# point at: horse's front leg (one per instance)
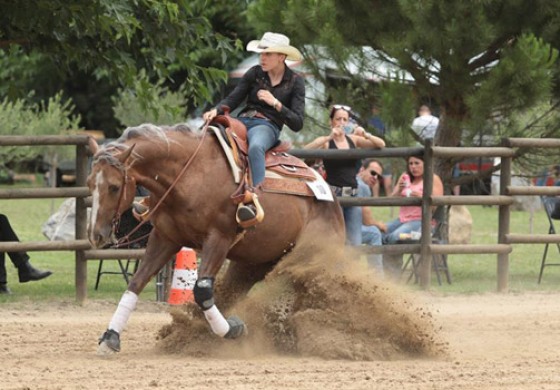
(158, 252)
(214, 252)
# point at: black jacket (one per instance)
(290, 92)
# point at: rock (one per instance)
(460, 225)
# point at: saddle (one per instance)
(276, 159)
(286, 174)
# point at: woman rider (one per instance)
(275, 97)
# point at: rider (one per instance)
(275, 97)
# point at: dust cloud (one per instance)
(319, 301)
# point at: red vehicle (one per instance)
(472, 166)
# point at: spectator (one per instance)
(370, 173)
(26, 271)
(410, 217)
(378, 125)
(341, 174)
(425, 124)
(376, 122)
(274, 97)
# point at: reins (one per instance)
(125, 239)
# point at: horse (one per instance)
(189, 179)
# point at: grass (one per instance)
(27, 216)
(470, 273)
(478, 273)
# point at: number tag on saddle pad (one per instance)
(320, 188)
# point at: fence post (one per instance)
(425, 241)
(81, 224)
(503, 223)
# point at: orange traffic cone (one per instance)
(184, 277)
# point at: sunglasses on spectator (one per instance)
(375, 174)
(341, 107)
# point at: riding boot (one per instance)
(141, 208)
(4, 289)
(246, 212)
(27, 273)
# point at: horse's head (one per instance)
(112, 191)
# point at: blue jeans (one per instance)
(262, 135)
(353, 224)
(396, 228)
(371, 235)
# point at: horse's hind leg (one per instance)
(158, 253)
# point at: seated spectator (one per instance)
(26, 271)
(369, 174)
(410, 184)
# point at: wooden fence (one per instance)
(84, 252)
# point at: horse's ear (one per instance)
(93, 145)
(123, 156)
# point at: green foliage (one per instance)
(116, 39)
(149, 103)
(473, 61)
(17, 70)
(522, 75)
(19, 118)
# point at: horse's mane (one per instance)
(147, 131)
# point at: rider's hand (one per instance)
(266, 96)
(209, 115)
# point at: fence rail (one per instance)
(84, 252)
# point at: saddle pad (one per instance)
(236, 172)
(286, 186)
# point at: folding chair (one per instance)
(125, 270)
(439, 261)
(549, 202)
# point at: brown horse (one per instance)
(197, 212)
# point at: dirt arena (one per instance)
(493, 341)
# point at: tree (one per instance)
(102, 45)
(475, 60)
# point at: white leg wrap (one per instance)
(217, 321)
(122, 314)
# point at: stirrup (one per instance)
(251, 214)
(141, 209)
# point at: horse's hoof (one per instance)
(237, 328)
(104, 350)
(109, 343)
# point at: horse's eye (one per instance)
(113, 189)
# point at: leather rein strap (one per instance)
(160, 201)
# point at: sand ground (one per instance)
(495, 341)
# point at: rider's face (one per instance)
(270, 61)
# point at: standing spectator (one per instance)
(425, 124)
(274, 96)
(381, 130)
(370, 173)
(376, 122)
(341, 174)
(26, 271)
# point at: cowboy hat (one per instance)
(275, 43)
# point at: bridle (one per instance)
(116, 218)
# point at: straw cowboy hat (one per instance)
(275, 43)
